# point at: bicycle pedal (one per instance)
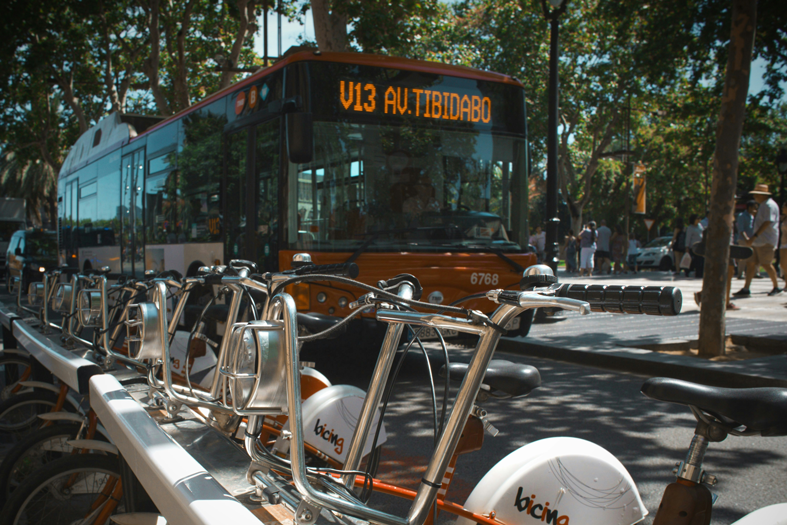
(489, 427)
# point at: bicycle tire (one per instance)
(19, 414)
(33, 452)
(43, 499)
(14, 366)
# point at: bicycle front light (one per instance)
(61, 300)
(35, 294)
(255, 368)
(89, 308)
(144, 336)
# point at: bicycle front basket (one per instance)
(144, 336)
(89, 308)
(61, 300)
(35, 294)
(255, 368)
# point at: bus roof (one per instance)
(363, 59)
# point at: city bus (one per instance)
(398, 165)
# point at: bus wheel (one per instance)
(525, 322)
(194, 268)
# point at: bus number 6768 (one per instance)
(484, 278)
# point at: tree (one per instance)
(725, 172)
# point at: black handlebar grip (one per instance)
(649, 300)
(344, 270)
(213, 278)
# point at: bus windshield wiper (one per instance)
(374, 235)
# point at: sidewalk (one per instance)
(616, 341)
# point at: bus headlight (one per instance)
(89, 308)
(35, 294)
(255, 368)
(61, 300)
(144, 336)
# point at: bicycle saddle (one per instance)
(502, 377)
(760, 409)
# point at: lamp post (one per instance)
(552, 248)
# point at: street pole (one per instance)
(552, 248)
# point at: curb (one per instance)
(651, 364)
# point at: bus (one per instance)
(401, 166)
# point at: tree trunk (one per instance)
(152, 63)
(246, 27)
(725, 175)
(330, 27)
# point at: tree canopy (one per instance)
(639, 82)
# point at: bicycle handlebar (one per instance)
(648, 300)
(343, 269)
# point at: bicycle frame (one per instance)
(489, 332)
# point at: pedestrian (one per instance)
(694, 235)
(763, 241)
(571, 252)
(633, 253)
(678, 243)
(783, 244)
(617, 249)
(587, 243)
(744, 223)
(602, 254)
(539, 240)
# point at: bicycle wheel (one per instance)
(19, 414)
(67, 491)
(15, 369)
(33, 452)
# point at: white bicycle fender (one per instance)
(94, 444)
(559, 480)
(770, 515)
(62, 416)
(329, 420)
(40, 384)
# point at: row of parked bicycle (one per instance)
(247, 382)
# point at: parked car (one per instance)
(657, 254)
(30, 253)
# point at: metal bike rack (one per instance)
(193, 473)
(69, 367)
(182, 489)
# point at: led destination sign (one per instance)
(366, 97)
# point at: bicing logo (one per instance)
(328, 435)
(528, 505)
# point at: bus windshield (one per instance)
(399, 188)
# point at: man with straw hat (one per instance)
(763, 240)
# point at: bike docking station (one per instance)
(237, 447)
(192, 473)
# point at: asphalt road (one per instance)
(602, 406)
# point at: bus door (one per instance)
(251, 209)
(132, 252)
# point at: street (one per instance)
(604, 407)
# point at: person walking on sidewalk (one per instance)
(618, 248)
(694, 235)
(744, 223)
(678, 243)
(633, 253)
(571, 252)
(783, 244)
(587, 244)
(763, 241)
(602, 254)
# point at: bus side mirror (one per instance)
(300, 137)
